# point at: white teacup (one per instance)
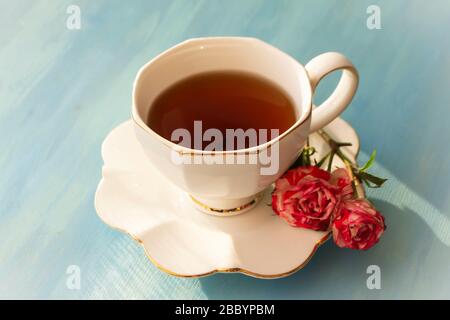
(231, 188)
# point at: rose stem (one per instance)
(334, 145)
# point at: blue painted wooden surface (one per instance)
(62, 91)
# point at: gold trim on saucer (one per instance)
(226, 270)
(224, 211)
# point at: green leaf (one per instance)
(370, 180)
(322, 161)
(369, 163)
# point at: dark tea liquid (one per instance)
(221, 100)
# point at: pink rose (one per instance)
(308, 196)
(342, 179)
(357, 225)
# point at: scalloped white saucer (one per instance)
(135, 198)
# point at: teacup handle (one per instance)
(336, 103)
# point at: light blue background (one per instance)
(62, 91)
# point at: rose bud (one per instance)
(357, 225)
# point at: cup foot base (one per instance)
(241, 206)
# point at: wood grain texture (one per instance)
(62, 91)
